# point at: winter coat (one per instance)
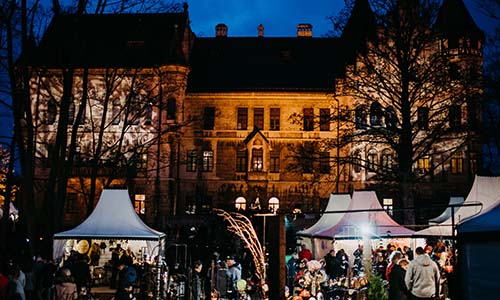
(233, 274)
(422, 277)
(66, 291)
(397, 286)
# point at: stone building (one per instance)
(188, 123)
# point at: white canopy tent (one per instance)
(363, 216)
(484, 194)
(446, 214)
(113, 218)
(337, 202)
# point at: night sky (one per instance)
(279, 17)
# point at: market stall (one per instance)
(482, 196)
(479, 243)
(363, 216)
(113, 222)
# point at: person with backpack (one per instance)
(127, 275)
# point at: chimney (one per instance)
(260, 30)
(304, 30)
(221, 30)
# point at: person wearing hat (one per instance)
(233, 274)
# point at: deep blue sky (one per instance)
(279, 17)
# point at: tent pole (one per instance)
(158, 271)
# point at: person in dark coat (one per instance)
(330, 262)
(397, 285)
(198, 282)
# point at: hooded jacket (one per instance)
(422, 277)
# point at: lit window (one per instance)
(456, 163)
(140, 204)
(424, 164)
(257, 160)
(191, 161)
(242, 118)
(141, 161)
(388, 205)
(274, 123)
(208, 161)
(258, 118)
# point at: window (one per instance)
(191, 161)
(456, 163)
(455, 117)
(424, 164)
(361, 117)
(115, 111)
(140, 204)
(208, 118)
(258, 118)
(391, 119)
(472, 120)
(376, 114)
(308, 119)
(386, 160)
(274, 122)
(208, 161)
(388, 205)
(307, 157)
(371, 160)
(324, 162)
(423, 118)
(275, 162)
(324, 119)
(241, 161)
(148, 113)
(454, 71)
(141, 160)
(257, 160)
(171, 108)
(356, 163)
(242, 118)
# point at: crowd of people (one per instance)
(426, 273)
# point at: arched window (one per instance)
(361, 117)
(376, 114)
(386, 160)
(371, 160)
(391, 119)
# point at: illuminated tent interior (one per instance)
(363, 216)
(113, 221)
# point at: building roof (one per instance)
(455, 21)
(114, 40)
(261, 63)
